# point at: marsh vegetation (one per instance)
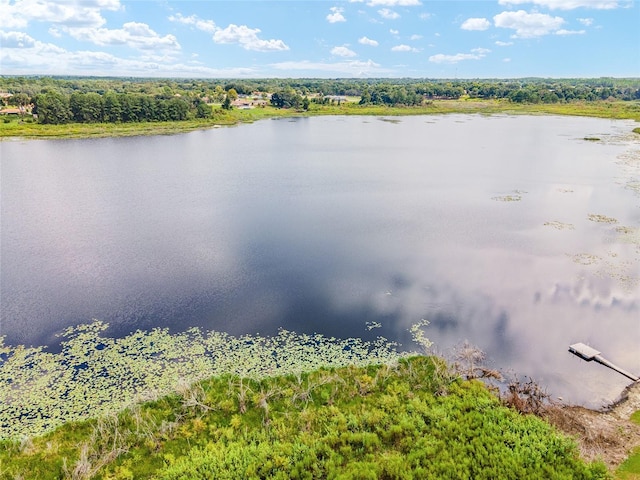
(410, 418)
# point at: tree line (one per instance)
(90, 99)
(56, 108)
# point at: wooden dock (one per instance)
(588, 353)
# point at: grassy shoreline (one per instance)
(618, 110)
(408, 419)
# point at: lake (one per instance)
(516, 233)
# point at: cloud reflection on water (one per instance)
(325, 224)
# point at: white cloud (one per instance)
(388, 14)
(587, 22)
(208, 26)
(16, 40)
(11, 18)
(70, 13)
(476, 54)
(503, 44)
(506, 60)
(475, 24)
(368, 41)
(570, 32)
(394, 3)
(350, 68)
(336, 15)
(132, 34)
(458, 57)
(404, 48)
(528, 25)
(416, 37)
(22, 55)
(425, 16)
(394, 32)
(567, 4)
(247, 38)
(342, 52)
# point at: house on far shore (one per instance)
(336, 98)
(247, 103)
(21, 110)
(11, 111)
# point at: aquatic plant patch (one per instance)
(594, 217)
(585, 258)
(559, 225)
(514, 196)
(95, 375)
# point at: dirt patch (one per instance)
(609, 434)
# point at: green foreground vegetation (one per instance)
(630, 469)
(408, 419)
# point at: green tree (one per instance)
(203, 110)
(52, 107)
(86, 107)
(177, 109)
(232, 94)
(19, 99)
(286, 98)
(226, 103)
(365, 97)
(218, 94)
(112, 108)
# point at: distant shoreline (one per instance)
(618, 110)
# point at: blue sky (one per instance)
(328, 39)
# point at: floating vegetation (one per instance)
(584, 258)
(418, 336)
(634, 186)
(630, 163)
(592, 139)
(601, 218)
(628, 234)
(559, 225)
(95, 375)
(507, 198)
(372, 325)
(565, 190)
(620, 271)
(514, 196)
(623, 272)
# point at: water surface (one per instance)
(337, 225)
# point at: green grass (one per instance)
(602, 109)
(630, 469)
(409, 419)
